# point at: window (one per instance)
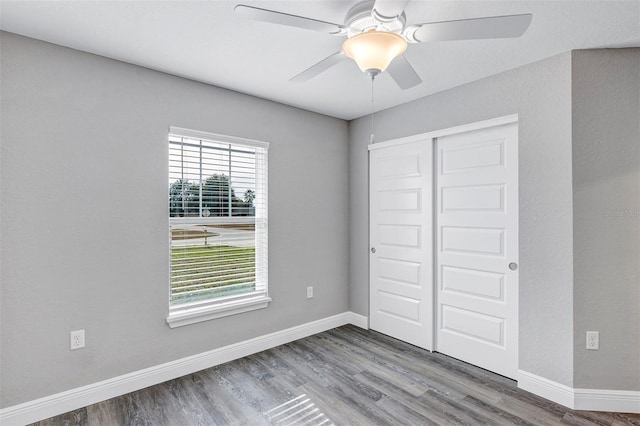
(218, 226)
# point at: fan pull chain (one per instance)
(372, 141)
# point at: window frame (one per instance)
(217, 307)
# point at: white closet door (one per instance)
(477, 248)
(401, 242)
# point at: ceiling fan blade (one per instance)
(470, 29)
(319, 67)
(388, 10)
(403, 73)
(280, 18)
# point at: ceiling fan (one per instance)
(377, 35)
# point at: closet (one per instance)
(444, 242)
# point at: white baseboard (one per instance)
(580, 399)
(358, 320)
(607, 400)
(548, 389)
(73, 399)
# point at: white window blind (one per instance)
(218, 221)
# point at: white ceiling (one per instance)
(204, 41)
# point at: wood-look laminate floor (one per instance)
(345, 376)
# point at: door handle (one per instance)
(513, 266)
(373, 250)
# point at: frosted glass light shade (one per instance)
(374, 50)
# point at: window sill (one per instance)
(185, 316)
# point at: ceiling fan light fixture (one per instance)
(374, 50)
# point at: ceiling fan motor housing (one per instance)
(360, 19)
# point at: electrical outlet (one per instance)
(310, 292)
(77, 340)
(593, 340)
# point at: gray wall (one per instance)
(579, 120)
(541, 94)
(84, 215)
(606, 231)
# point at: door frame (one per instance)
(494, 122)
(433, 137)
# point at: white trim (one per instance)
(197, 134)
(580, 399)
(358, 320)
(179, 315)
(548, 389)
(73, 399)
(607, 400)
(500, 121)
